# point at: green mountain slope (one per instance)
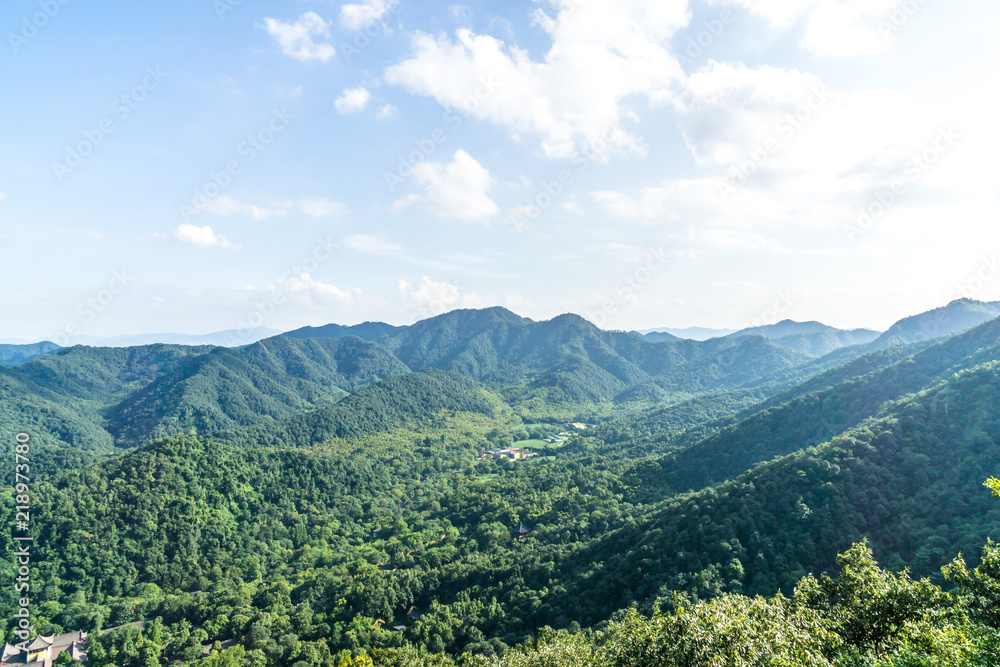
(98, 398)
(13, 355)
(909, 481)
(271, 379)
(378, 408)
(807, 419)
(295, 532)
(498, 347)
(813, 338)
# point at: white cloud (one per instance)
(603, 51)
(851, 28)
(226, 205)
(430, 298)
(202, 237)
(734, 240)
(95, 235)
(780, 13)
(305, 284)
(786, 131)
(2, 196)
(296, 39)
(371, 245)
(352, 100)
(455, 191)
(805, 190)
(358, 16)
(727, 110)
(834, 28)
(386, 111)
(322, 208)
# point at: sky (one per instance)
(206, 165)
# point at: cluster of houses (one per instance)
(516, 454)
(560, 438)
(43, 651)
(512, 453)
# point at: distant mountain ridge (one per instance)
(662, 337)
(12, 355)
(96, 399)
(958, 316)
(495, 345)
(689, 333)
(229, 338)
(813, 338)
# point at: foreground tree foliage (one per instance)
(863, 617)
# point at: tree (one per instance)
(980, 587)
(871, 609)
(730, 631)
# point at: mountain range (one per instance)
(284, 496)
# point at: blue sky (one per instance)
(200, 165)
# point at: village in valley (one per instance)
(524, 449)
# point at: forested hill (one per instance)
(380, 503)
(414, 398)
(496, 346)
(329, 501)
(225, 389)
(803, 420)
(13, 355)
(96, 399)
(813, 338)
(908, 481)
(93, 400)
(959, 315)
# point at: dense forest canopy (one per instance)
(323, 498)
